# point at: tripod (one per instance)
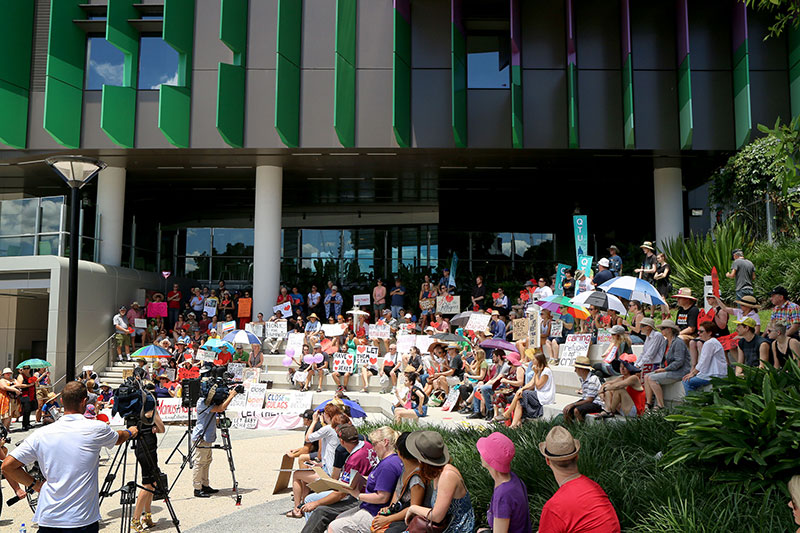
(188, 436)
(127, 489)
(224, 425)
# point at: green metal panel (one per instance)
(344, 97)
(743, 123)
(627, 103)
(794, 70)
(287, 74)
(231, 78)
(572, 105)
(16, 37)
(174, 104)
(517, 124)
(458, 71)
(66, 61)
(401, 80)
(118, 111)
(685, 104)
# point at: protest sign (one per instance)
(140, 323)
(405, 343)
(239, 401)
(575, 346)
(603, 336)
(477, 322)
(343, 362)
(295, 342)
(448, 305)
(556, 328)
(333, 330)
(585, 266)
(170, 373)
(245, 307)
(427, 304)
(367, 356)
(284, 308)
(251, 375)
(206, 356)
(275, 330)
(227, 327)
(156, 309)
(256, 395)
(210, 307)
(535, 326)
(266, 420)
(423, 342)
(171, 410)
(581, 235)
(237, 369)
(379, 331)
(522, 328)
(291, 402)
(360, 299)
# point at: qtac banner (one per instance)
(585, 266)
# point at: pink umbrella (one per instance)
(499, 344)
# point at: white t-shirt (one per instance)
(541, 293)
(68, 452)
(547, 394)
(389, 358)
(712, 361)
(120, 321)
(328, 441)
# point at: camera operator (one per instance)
(146, 448)
(205, 429)
(19, 491)
(68, 453)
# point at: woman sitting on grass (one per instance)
(625, 394)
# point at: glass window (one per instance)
(18, 216)
(195, 267)
(104, 64)
(488, 58)
(158, 63)
(322, 243)
(16, 246)
(491, 246)
(289, 243)
(348, 244)
(232, 269)
(51, 213)
(533, 246)
(48, 245)
(233, 241)
(198, 241)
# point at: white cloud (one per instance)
(109, 72)
(167, 80)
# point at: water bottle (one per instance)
(22, 528)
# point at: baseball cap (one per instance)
(348, 433)
(748, 321)
(780, 290)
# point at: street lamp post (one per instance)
(76, 171)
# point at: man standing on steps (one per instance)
(122, 335)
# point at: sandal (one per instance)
(605, 414)
(294, 513)
(319, 389)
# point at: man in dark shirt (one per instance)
(686, 319)
(397, 297)
(603, 272)
(649, 262)
(479, 293)
(753, 349)
(615, 261)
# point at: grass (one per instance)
(623, 459)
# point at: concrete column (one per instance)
(111, 207)
(267, 238)
(668, 197)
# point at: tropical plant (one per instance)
(777, 264)
(692, 258)
(744, 430)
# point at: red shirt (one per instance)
(283, 299)
(579, 506)
(174, 304)
(30, 392)
(223, 359)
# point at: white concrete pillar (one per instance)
(111, 207)
(668, 197)
(267, 238)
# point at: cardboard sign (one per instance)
(292, 402)
(127, 373)
(171, 410)
(367, 356)
(237, 369)
(266, 420)
(556, 328)
(256, 395)
(522, 327)
(360, 299)
(245, 307)
(477, 322)
(255, 329)
(210, 307)
(295, 342)
(343, 362)
(333, 330)
(379, 331)
(448, 305)
(227, 327)
(207, 356)
(405, 342)
(239, 401)
(423, 342)
(452, 398)
(603, 336)
(140, 323)
(156, 309)
(535, 326)
(427, 304)
(349, 481)
(251, 375)
(275, 330)
(576, 345)
(284, 308)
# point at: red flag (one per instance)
(715, 281)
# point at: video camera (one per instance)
(216, 385)
(132, 400)
(4, 434)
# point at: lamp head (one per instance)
(75, 170)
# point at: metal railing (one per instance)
(106, 343)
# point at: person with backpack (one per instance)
(416, 401)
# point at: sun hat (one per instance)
(497, 450)
(613, 247)
(409, 369)
(684, 292)
(749, 300)
(647, 321)
(648, 245)
(780, 290)
(513, 358)
(583, 362)
(669, 324)
(604, 262)
(629, 357)
(313, 315)
(748, 321)
(630, 366)
(453, 346)
(7, 370)
(559, 445)
(495, 312)
(52, 396)
(617, 330)
(163, 376)
(135, 304)
(428, 447)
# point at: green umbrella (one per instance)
(34, 363)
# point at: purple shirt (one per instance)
(510, 500)
(383, 479)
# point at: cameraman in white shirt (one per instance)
(68, 453)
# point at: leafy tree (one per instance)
(787, 14)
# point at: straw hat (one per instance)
(648, 245)
(684, 292)
(748, 300)
(559, 445)
(583, 362)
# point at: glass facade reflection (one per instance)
(32, 226)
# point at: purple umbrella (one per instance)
(499, 344)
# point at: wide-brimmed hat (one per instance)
(513, 358)
(409, 369)
(617, 330)
(613, 247)
(648, 245)
(604, 262)
(684, 292)
(647, 321)
(497, 450)
(669, 324)
(583, 362)
(135, 304)
(633, 369)
(433, 346)
(313, 315)
(52, 396)
(749, 300)
(559, 445)
(428, 447)
(7, 370)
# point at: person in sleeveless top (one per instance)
(624, 395)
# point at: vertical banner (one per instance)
(581, 236)
(560, 269)
(585, 266)
(453, 264)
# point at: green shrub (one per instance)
(744, 430)
(777, 264)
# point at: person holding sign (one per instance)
(425, 294)
(567, 328)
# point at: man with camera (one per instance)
(205, 431)
(68, 495)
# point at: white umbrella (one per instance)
(601, 300)
(241, 336)
(632, 288)
(357, 312)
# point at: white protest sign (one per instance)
(293, 402)
(343, 362)
(576, 345)
(251, 375)
(379, 331)
(295, 342)
(333, 330)
(448, 305)
(237, 369)
(170, 410)
(522, 328)
(367, 356)
(284, 308)
(140, 323)
(477, 322)
(603, 336)
(239, 401)
(405, 343)
(263, 419)
(556, 327)
(210, 307)
(423, 342)
(207, 356)
(256, 395)
(275, 330)
(360, 299)
(535, 326)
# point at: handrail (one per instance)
(79, 363)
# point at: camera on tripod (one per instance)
(132, 401)
(216, 385)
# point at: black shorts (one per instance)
(388, 370)
(342, 374)
(147, 456)
(588, 408)
(374, 371)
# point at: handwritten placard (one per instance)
(426, 304)
(344, 362)
(285, 309)
(156, 309)
(522, 327)
(477, 322)
(367, 356)
(535, 326)
(205, 355)
(256, 395)
(245, 307)
(251, 375)
(239, 401)
(140, 323)
(295, 342)
(237, 369)
(405, 342)
(603, 336)
(379, 331)
(556, 328)
(448, 305)
(275, 330)
(423, 342)
(170, 373)
(576, 345)
(360, 299)
(210, 307)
